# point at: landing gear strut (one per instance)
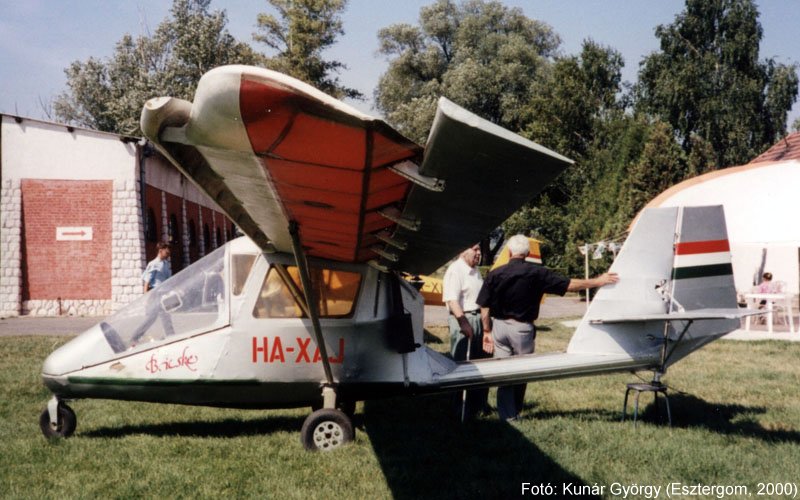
(327, 428)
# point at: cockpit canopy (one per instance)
(193, 300)
(198, 298)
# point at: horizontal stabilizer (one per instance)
(697, 314)
(532, 367)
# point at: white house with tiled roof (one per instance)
(761, 208)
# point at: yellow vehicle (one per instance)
(535, 255)
(431, 289)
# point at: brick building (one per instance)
(80, 214)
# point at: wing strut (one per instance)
(312, 306)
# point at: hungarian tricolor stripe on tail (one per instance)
(702, 259)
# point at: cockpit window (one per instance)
(241, 265)
(276, 299)
(191, 301)
(337, 292)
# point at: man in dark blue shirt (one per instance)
(509, 301)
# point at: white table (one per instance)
(785, 299)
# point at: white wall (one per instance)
(760, 201)
(781, 261)
(762, 211)
(39, 150)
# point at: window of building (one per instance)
(207, 237)
(173, 233)
(219, 240)
(151, 233)
(192, 234)
(337, 292)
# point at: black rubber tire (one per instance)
(326, 430)
(67, 422)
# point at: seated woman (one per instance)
(766, 285)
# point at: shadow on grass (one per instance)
(688, 412)
(426, 453)
(430, 338)
(691, 412)
(222, 428)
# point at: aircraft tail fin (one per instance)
(676, 280)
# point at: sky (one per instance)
(40, 38)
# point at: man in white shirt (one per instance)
(462, 283)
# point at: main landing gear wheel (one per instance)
(326, 429)
(65, 425)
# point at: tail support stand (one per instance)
(656, 387)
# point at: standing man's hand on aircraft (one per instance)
(607, 279)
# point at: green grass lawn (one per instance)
(737, 422)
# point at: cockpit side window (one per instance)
(275, 299)
(241, 265)
(336, 290)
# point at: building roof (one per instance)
(787, 148)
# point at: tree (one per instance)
(482, 55)
(577, 94)
(108, 95)
(305, 29)
(707, 81)
(661, 165)
(569, 107)
(575, 109)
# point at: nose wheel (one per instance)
(326, 429)
(61, 424)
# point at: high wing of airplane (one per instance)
(309, 309)
(271, 150)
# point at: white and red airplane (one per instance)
(309, 309)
